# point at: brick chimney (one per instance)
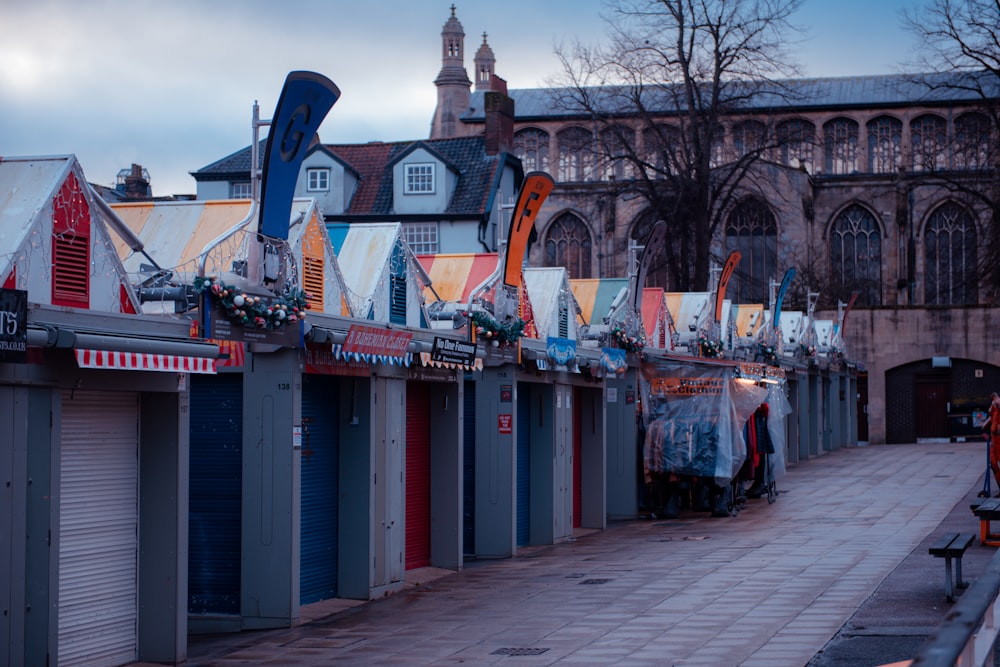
(499, 110)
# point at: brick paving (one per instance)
(767, 588)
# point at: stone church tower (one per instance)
(452, 82)
(485, 64)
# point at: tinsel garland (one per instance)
(252, 311)
(766, 352)
(631, 344)
(500, 334)
(711, 349)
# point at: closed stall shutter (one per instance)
(577, 455)
(418, 476)
(469, 470)
(98, 528)
(216, 494)
(320, 468)
(523, 466)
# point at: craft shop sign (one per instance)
(13, 326)
(453, 351)
(681, 387)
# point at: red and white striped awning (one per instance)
(143, 361)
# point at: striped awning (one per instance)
(143, 361)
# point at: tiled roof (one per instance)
(794, 94)
(373, 164)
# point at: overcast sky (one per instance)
(170, 84)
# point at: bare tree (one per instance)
(658, 91)
(960, 56)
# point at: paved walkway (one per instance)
(767, 588)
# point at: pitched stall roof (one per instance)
(175, 234)
(595, 296)
(36, 192)
(365, 254)
(454, 276)
(654, 316)
(748, 318)
(546, 285)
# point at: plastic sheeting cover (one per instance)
(694, 416)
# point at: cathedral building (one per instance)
(858, 196)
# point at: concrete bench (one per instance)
(951, 547)
(986, 511)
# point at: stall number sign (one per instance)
(13, 326)
(505, 423)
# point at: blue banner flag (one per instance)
(305, 100)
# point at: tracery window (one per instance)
(751, 229)
(950, 276)
(929, 142)
(856, 255)
(661, 148)
(718, 156)
(576, 154)
(749, 137)
(796, 139)
(617, 143)
(840, 146)
(972, 141)
(885, 142)
(532, 147)
(568, 243)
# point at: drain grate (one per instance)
(519, 651)
(594, 581)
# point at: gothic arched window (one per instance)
(532, 146)
(568, 244)
(856, 255)
(972, 141)
(840, 146)
(751, 230)
(661, 146)
(885, 145)
(749, 137)
(929, 142)
(795, 139)
(950, 276)
(617, 144)
(576, 154)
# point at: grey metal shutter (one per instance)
(98, 529)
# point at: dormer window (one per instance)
(420, 179)
(317, 180)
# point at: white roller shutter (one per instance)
(98, 529)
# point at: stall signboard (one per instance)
(372, 343)
(13, 326)
(452, 351)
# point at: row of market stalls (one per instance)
(188, 452)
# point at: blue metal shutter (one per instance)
(216, 493)
(469, 470)
(418, 476)
(320, 468)
(523, 465)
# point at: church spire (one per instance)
(452, 81)
(485, 64)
